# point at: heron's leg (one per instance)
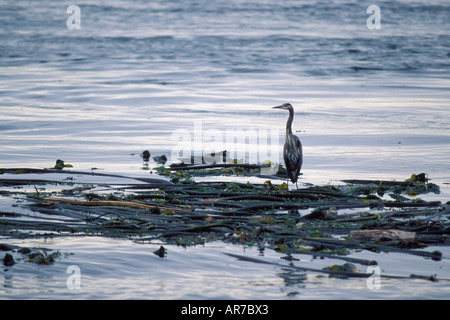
(296, 184)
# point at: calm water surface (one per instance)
(118, 269)
(369, 103)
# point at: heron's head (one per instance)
(284, 106)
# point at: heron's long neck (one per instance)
(289, 123)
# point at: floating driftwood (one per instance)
(108, 203)
(377, 235)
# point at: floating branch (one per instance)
(377, 235)
(110, 203)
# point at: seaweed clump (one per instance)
(318, 220)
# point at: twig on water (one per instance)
(111, 203)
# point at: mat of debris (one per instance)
(173, 207)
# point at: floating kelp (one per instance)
(326, 221)
(415, 185)
(41, 256)
(8, 260)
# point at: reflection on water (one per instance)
(118, 269)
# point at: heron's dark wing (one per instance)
(293, 157)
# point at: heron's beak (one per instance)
(277, 107)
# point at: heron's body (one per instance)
(292, 151)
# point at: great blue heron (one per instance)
(292, 151)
